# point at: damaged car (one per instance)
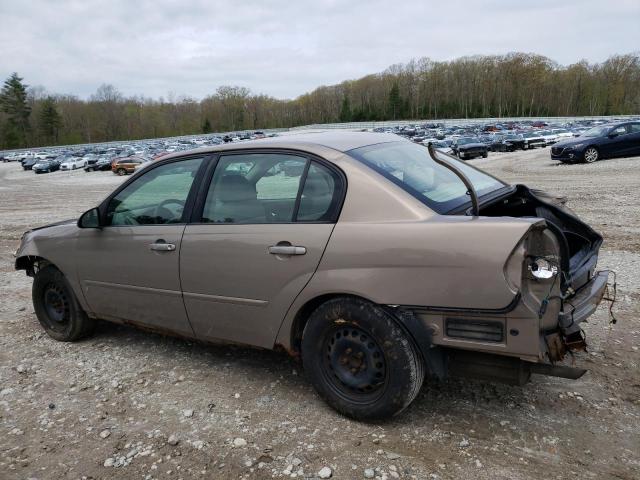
(380, 263)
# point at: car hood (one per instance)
(569, 142)
(55, 224)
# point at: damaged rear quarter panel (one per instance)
(444, 261)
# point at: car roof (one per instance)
(341, 141)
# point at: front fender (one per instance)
(53, 244)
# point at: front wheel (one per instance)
(591, 155)
(360, 360)
(57, 308)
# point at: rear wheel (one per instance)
(121, 171)
(57, 308)
(360, 360)
(591, 155)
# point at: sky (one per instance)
(286, 48)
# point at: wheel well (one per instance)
(30, 263)
(301, 318)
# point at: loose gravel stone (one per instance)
(239, 442)
(325, 472)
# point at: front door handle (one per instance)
(162, 246)
(287, 250)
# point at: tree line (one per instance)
(516, 84)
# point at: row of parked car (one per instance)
(121, 159)
(465, 141)
(472, 141)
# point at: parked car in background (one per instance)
(46, 166)
(562, 133)
(549, 137)
(612, 140)
(73, 163)
(91, 158)
(29, 162)
(469, 147)
(102, 164)
(128, 165)
(348, 264)
(533, 140)
(513, 142)
(11, 157)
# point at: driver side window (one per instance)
(620, 130)
(156, 197)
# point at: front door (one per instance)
(265, 223)
(129, 269)
(615, 145)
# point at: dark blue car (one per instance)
(611, 140)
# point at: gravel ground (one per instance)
(127, 404)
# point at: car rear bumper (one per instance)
(583, 303)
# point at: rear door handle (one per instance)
(287, 250)
(162, 246)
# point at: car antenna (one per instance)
(475, 208)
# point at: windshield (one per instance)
(410, 166)
(467, 140)
(596, 132)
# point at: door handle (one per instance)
(287, 250)
(162, 246)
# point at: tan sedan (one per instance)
(376, 260)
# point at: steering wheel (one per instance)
(161, 207)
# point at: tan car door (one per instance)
(129, 269)
(265, 222)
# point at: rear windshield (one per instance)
(410, 166)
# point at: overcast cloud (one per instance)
(286, 48)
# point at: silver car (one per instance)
(376, 260)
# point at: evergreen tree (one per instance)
(345, 113)
(395, 101)
(50, 120)
(13, 102)
(206, 126)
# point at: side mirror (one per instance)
(613, 134)
(90, 219)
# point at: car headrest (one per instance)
(235, 188)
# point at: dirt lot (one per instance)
(115, 405)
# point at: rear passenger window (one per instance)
(261, 188)
(634, 128)
(319, 199)
(254, 189)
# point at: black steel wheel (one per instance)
(360, 359)
(354, 365)
(57, 308)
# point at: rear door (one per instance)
(262, 225)
(129, 269)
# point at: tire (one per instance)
(485, 155)
(360, 360)
(57, 307)
(591, 154)
(121, 171)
